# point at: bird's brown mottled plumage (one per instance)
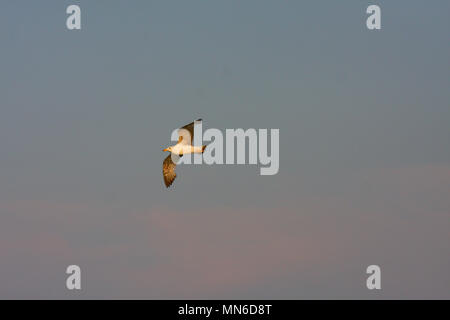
(169, 171)
(185, 137)
(190, 131)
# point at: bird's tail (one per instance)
(203, 148)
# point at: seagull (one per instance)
(183, 146)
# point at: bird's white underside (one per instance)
(181, 148)
(184, 146)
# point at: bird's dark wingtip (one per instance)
(198, 120)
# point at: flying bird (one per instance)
(183, 146)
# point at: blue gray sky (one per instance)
(364, 149)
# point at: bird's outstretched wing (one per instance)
(169, 171)
(187, 137)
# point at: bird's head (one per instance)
(168, 149)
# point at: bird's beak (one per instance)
(165, 149)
